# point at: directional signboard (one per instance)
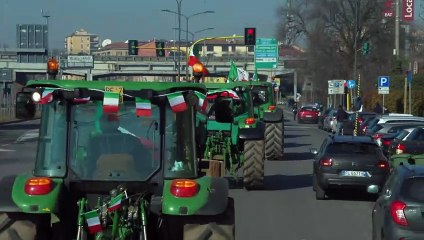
(336, 86)
(80, 61)
(383, 84)
(266, 53)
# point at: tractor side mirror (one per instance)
(25, 106)
(223, 110)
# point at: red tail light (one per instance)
(400, 148)
(184, 188)
(326, 162)
(377, 136)
(397, 211)
(38, 186)
(387, 142)
(360, 120)
(249, 121)
(382, 164)
(271, 107)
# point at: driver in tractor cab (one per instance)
(114, 153)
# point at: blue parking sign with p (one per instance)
(383, 81)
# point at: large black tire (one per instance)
(319, 192)
(274, 141)
(253, 169)
(21, 226)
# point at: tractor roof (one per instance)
(100, 85)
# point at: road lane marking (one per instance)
(6, 150)
(4, 145)
(29, 135)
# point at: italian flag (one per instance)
(111, 102)
(143, 107)
(46, 96)
(93, 221)
(115, 203)
(201, 102)
(177, 102)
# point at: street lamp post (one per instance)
(194, 33)
(187, 31)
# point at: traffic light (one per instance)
(132, 47)
(160, 49)
(346, 89)
(249, 36)
(52, 68)
(365, 48)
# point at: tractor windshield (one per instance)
(117, 146)
(259, 95)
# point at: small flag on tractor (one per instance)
(93, 221)
(233, 74)
(115, 203)
(201, 102)
(177, 102)
(111, 102)
(46, 96)
(143, 107)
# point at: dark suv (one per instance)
(348, 161)
(398, 212)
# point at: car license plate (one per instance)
(308, 116)
(355, 174)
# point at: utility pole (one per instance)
(397, 27)
(355, 46)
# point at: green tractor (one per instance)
(266, 110)
(115, 160)
(233, 139)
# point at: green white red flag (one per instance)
(46, 96)
(177, 102)
(111, 102)
(143, 107)
(93, 221)
(201, 98)
(115, 203)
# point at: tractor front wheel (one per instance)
(253, 169)
(21, 226)
(274, 141)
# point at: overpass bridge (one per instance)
(147, 68)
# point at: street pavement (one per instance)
(286, 209)
(18, 147)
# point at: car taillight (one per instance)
(184, 188)
(360, 120)
(382, 164)
(326, 162)
(377, 136)
(38, 186)
(400, 148)
(398, 214)
(271, 107)
(387, 142)
(249, 121)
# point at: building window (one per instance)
(225, 48)
(233, 48)
(209, 48)
(250, 48)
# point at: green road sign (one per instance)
(266, 53)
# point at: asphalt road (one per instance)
(287, 208)
(18, 147)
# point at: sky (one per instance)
(121, 20)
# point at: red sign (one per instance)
(388, 9)
(408, 10)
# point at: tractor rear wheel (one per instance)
(21, 226)
(274, 141)
(253, 169)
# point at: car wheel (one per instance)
(319, 192)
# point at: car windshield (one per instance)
(351, 148)
(413, 189)
(402, 135)
(117, 146)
